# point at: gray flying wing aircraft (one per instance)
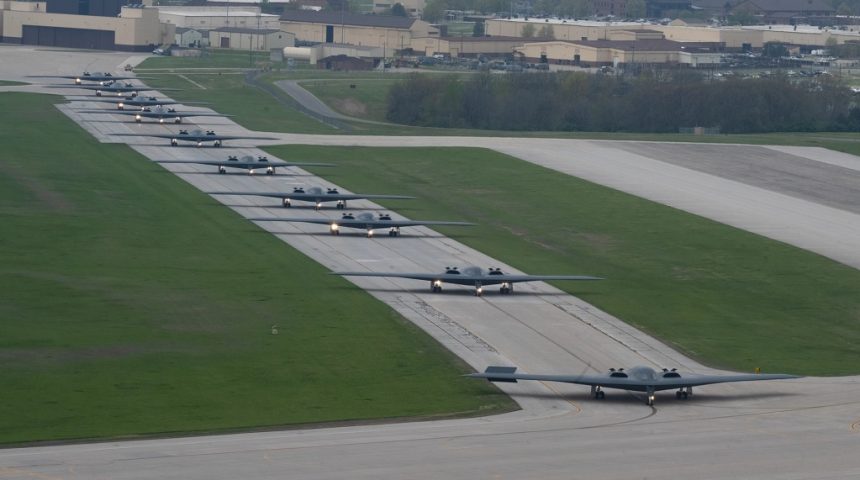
(139, 102)
(248, 163)
(160, 114)
(364, 220)
(114, 88)
(637, 379)
(87, 77)
(471, 276)
(196, 136)
(316, 195)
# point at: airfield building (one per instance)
(389, 32)
(95, 24)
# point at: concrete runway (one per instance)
(807, 428)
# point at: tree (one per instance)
(636, 8)
(774, 50)
(528, 31)
(434, 10)
(546, 31)
(398, 10)
(742, 18)
(478, 29)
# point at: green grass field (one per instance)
(361, 98)
(211, 58)
(132, 304)
(725, 296)
(10, 83)
(258, 109)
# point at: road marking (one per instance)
(191, 81)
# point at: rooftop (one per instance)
(339, 18)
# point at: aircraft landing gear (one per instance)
(270, 171)
(597, 393)
(217, 143)
(341, 204)
(178, 120)
(287, 203)
(435, 286)
(684, 393)
(507, 288)
(222, 170)
(395, 231)
(173, 142)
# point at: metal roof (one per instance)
(352, 19)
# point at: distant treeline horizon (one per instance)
(660, 102)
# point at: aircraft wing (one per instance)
(254, 165)
(508, 374)
(320, 221)
(191, 138)
(404, 223)
(413, 276)
(155, 114)
(308, 196)
(538, 278)
(693, 380)
(108, 88)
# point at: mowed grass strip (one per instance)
(727, 297)
(228, 93)
(259, 110)
(132, 304)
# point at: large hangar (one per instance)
(93, 24)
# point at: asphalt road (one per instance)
(806, 428)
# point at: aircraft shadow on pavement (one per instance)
(666, 397)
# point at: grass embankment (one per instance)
(722, 295)
(10, 83)
(132, 304)
(259, 110)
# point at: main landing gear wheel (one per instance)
(222, 170)
(287, 203)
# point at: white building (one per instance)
(210, 18)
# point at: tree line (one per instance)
(655, 102)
